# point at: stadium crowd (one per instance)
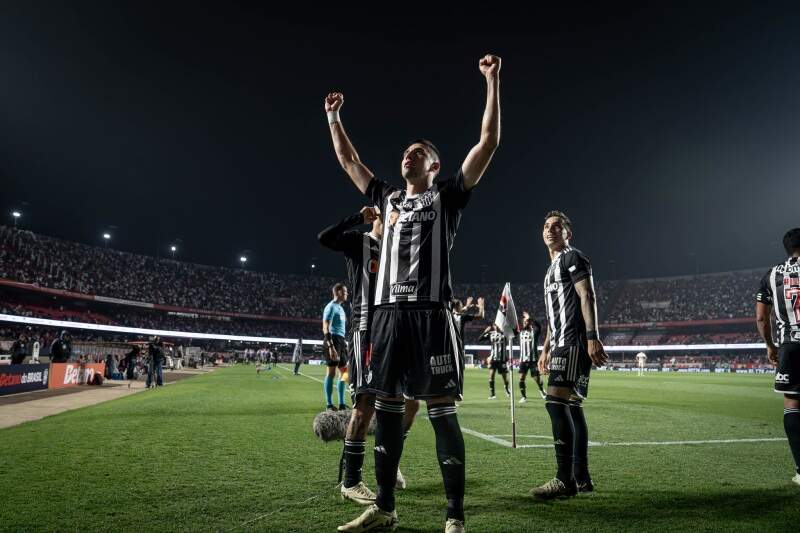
(49, 262)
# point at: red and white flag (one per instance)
(506, 318)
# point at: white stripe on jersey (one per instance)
(387, 210)
(773, 280)
(562, 313)
(413, 272)
(436, 245)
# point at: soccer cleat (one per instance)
(796, 479)
(492, 397)
(373, 519)
(400, 483)
(586, 486)
(331, 408)
(358, 493)
(555, 488)
(523, 399)
(542, 394)
(453, 526)
(508, 394)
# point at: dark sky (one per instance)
(668, 134)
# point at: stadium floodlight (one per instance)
(173, 249)
(243, 259)
(106, 238)
(16, 215)
(313, 266)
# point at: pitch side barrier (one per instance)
(213, 336)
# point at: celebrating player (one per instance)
(498, 358)
(529, 354)
(780, 290)
(571, 346)
(361, 251)
(415, 349)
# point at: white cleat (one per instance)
(492, 397)
(543, 395)
(523, 400)
(796, 479)
(400, 483)
(359, 493)
(453, 526)
(373, 519)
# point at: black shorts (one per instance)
(358, 356)
(570, 367)
(341, 349)
(500, 366)
(787, 375)
(414, 352)
(528, 366)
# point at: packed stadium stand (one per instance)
(51, 278)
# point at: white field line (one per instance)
(502, 442)
(301, 374)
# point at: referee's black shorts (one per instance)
(414, 352)
(341, 350)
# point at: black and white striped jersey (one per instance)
(418, 234)
(564, 316)
(780, 288)
(528, 342)
(499, 351)
(361, 252)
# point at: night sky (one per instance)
(668, 134)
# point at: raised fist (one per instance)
(489, 65)
(333, 102)
(370, 214)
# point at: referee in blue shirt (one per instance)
(335, 347)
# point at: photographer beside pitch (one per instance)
(415, 350)
(780, 291)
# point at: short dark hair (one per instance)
(429, 145)
(338, 287)
(791, 241)
(564, 218)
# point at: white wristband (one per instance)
(333, 116)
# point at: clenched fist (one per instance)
(490, 66)
(333, 102)
(370, 214)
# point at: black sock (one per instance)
(580, 459)
(450, 451)
(522, 389)
(491, 387)
(388, 449)
(353, 461)
(791, 423)
(563, 436)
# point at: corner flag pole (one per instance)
(511, 388)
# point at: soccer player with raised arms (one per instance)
(415, 351)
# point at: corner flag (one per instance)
(506, 318)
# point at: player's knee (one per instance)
(412, 406)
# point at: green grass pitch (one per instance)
(234, 451)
